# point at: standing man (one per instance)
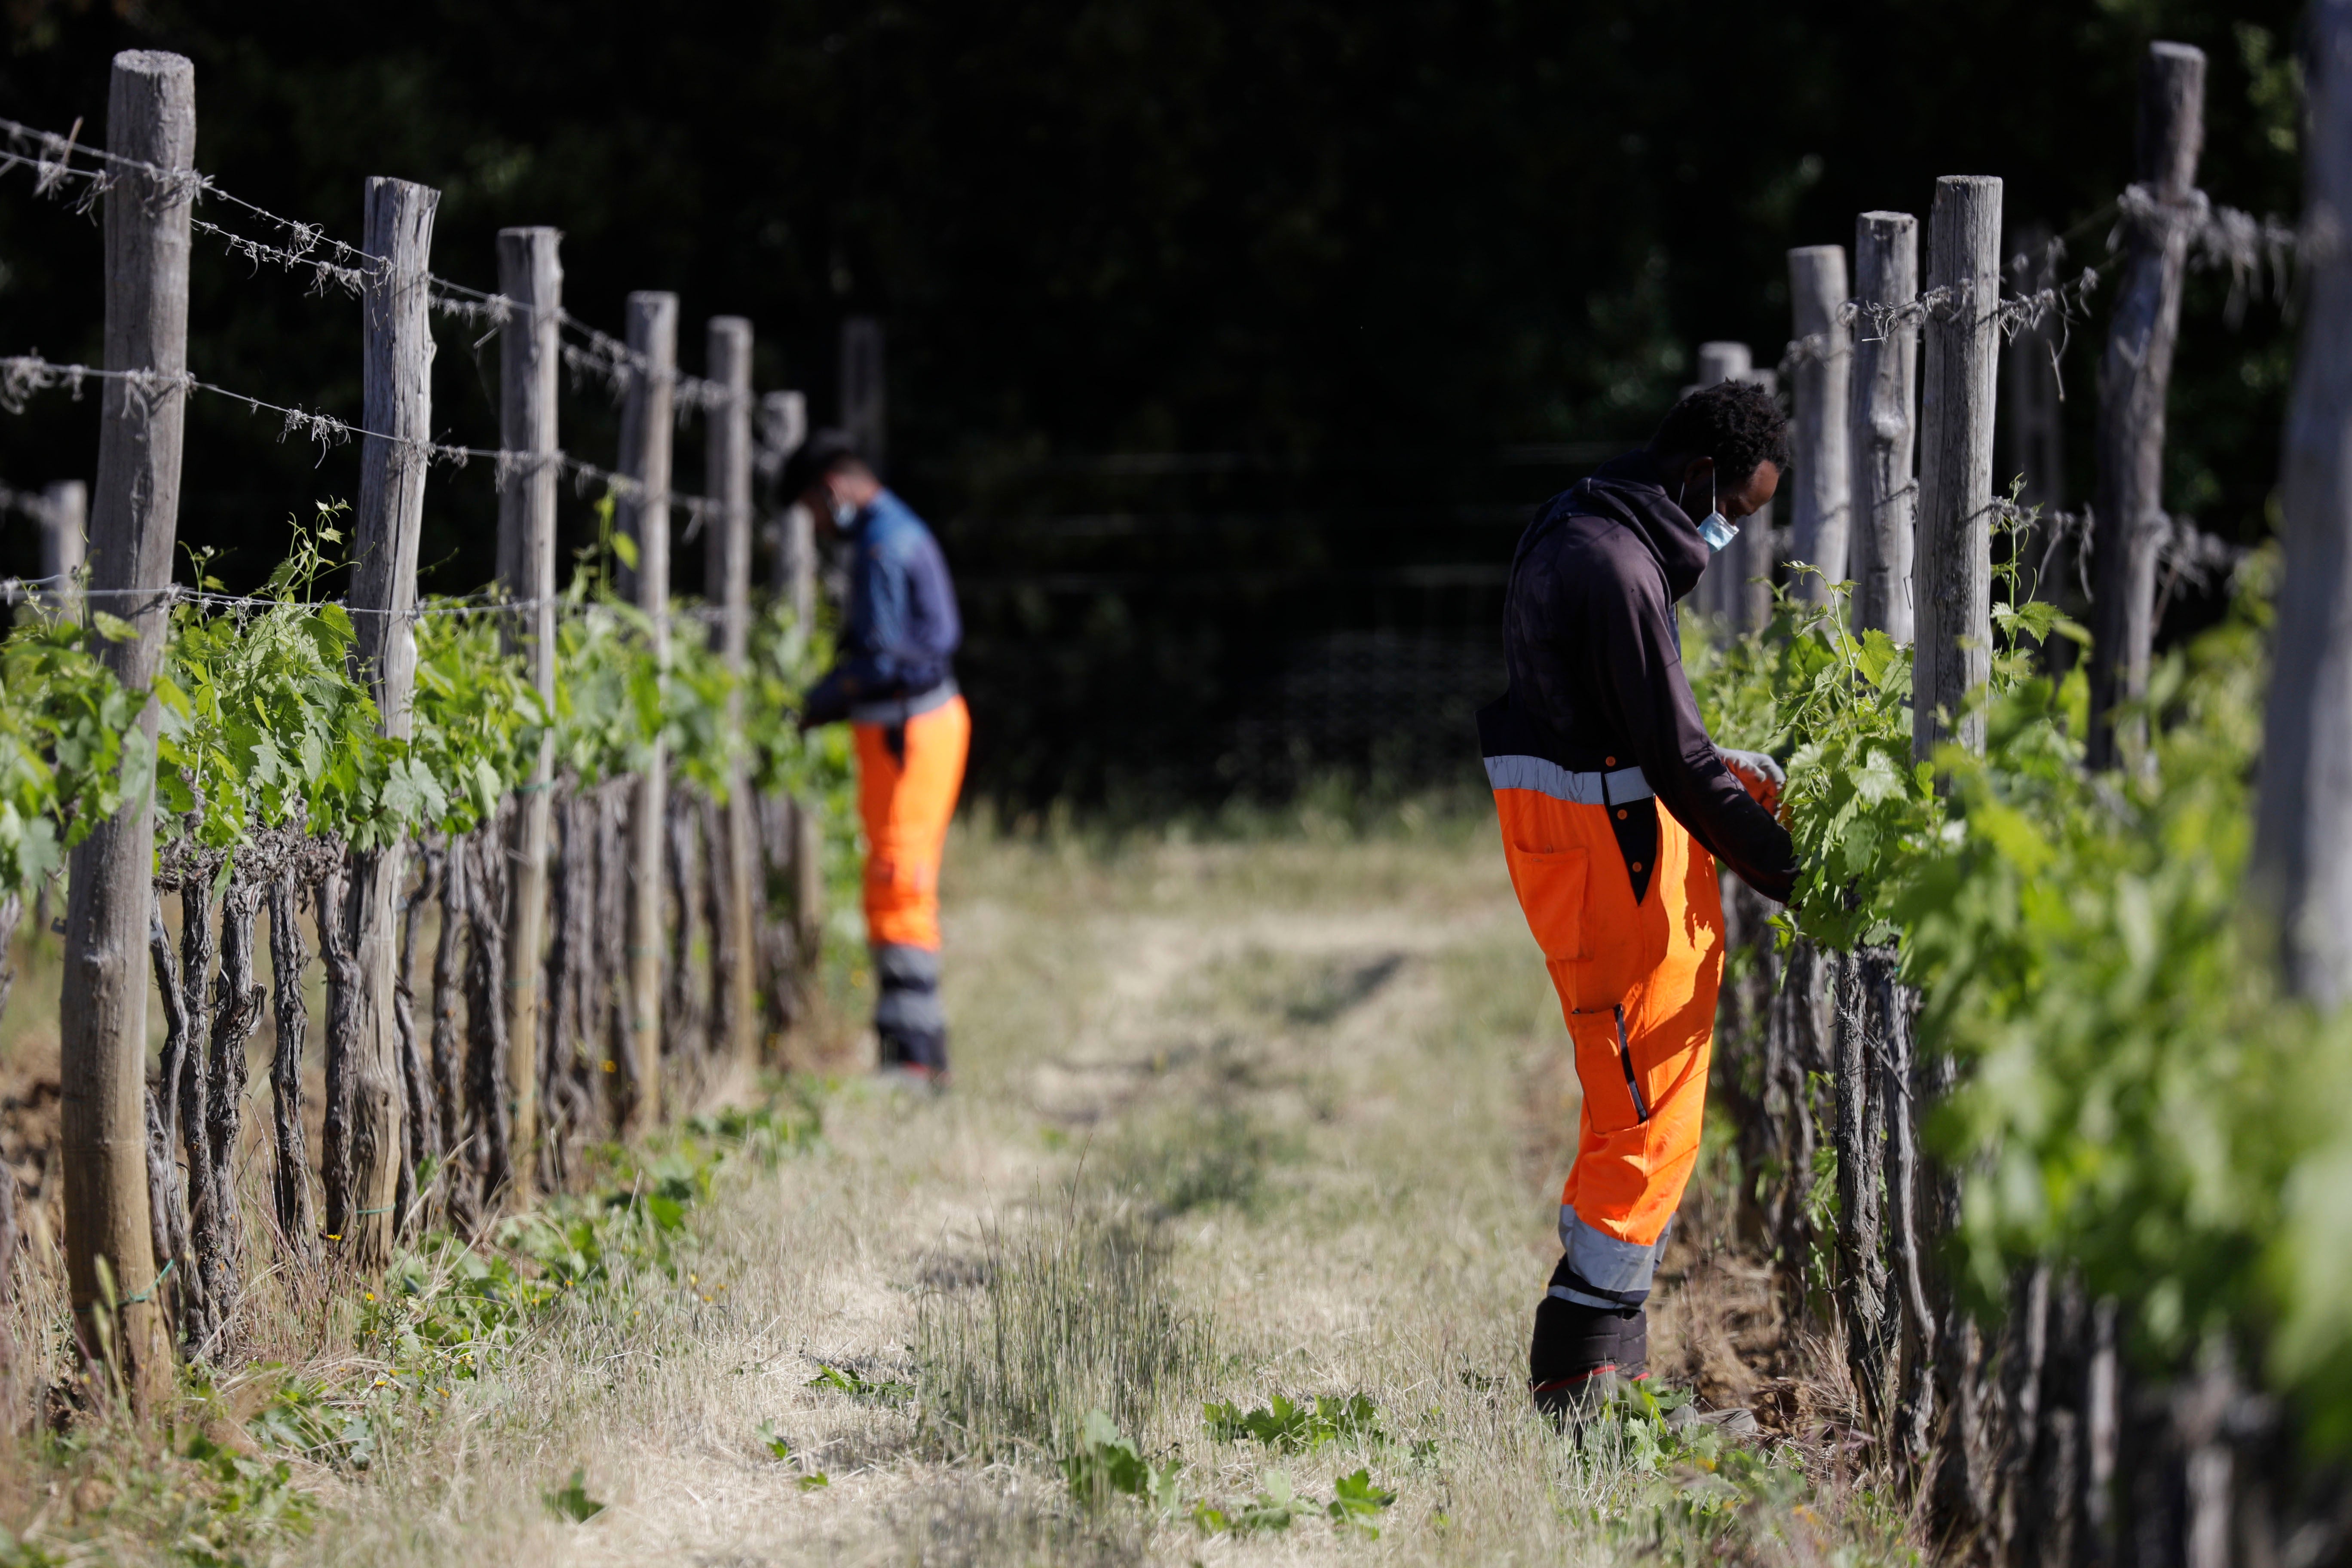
(1597, 731)
(894, 680)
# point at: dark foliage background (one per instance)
(1229, 342)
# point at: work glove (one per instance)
(1758, 774)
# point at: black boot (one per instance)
(1581, 1354)
(908, 1017)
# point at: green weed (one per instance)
(1356, 1502)
(1292, 1428)
(780, 1448)
(1691, 1495)
(1106, 1464)
(857, 1386)
(572, 1499)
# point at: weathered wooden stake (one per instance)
(1718, 591)
(1819, 514)
(151, 118)
(171, 1230)
(683, 1038)
(396, 401)
(1754, 554)
(2303, 840)
(197, 950)
(1952, 575)
(461, 1152)
(2030, 408)
(531, 274)
(727, 585)
(784, 429)
(65, 522)
(646, 459)
(236, 1014)
(298, 1218)
(420, 1120)
(1881, 429)
(796, 563)
(488, 1073)
(2135, 375)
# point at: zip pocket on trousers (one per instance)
(1625, 1055)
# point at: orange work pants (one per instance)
(906, 796)
(1637, 980)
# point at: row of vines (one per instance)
(2022, 1108)
(271, 775)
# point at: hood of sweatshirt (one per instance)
(1630, 490)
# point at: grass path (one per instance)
(1231, 1121)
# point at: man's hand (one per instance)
(1759, 774)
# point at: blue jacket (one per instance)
(900, 638)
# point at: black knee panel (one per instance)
(908, 1015)
(1573, 1341)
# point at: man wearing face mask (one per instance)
(894, 680)
(1597, 731)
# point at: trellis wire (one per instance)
(2012, 313)
(2218, 236)
(21, 375)
(21, 590)
(27, 504)
(346, 268)
(2185, 552)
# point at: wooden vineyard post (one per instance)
(727, 586)
(1750, 556)
(396, 401)
(783, 430)
(2303, 839)
(102, 1022)
(1819, 514)
(2160, 209)
(1952, 599)
(2030, 410)
(1717, 586)
(1872, 1018)
(531, 277)
(1881, 430)
(64, 517)
(796, 570)
(646, 459)
(1952, 573)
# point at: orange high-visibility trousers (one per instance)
(906, 798)
(1637, 980)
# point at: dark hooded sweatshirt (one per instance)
(1596, 669)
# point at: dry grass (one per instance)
(1231, 1120)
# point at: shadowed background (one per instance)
(1228, 344)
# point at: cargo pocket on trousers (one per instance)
(1552, 890)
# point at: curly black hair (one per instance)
(1736, 423)
(826, 452)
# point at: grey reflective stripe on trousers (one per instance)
(1578, 789)
(1608, 1272)
(899, 709)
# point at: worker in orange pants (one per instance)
(1597, 733)
(895, 683)
(908, 775)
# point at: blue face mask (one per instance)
(844, 514)
(1717, 530)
